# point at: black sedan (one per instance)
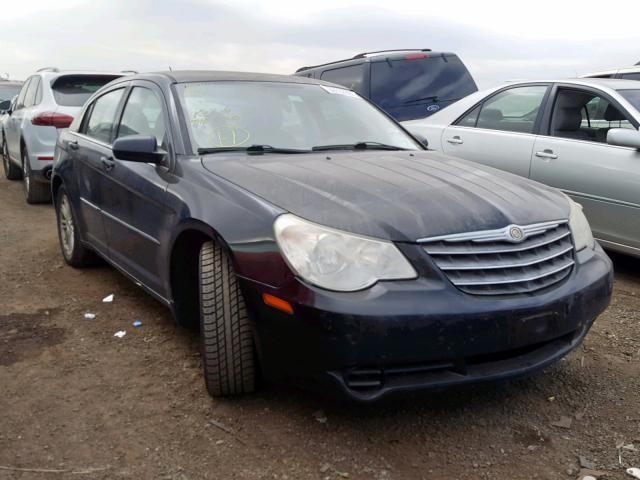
(311, 237)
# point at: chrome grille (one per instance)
(493, 263)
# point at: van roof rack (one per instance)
(364, 55)
(48, 69)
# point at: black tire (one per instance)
(11, 171)
(225, 331)
(77, 255)
(35, 192)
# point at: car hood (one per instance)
(400, 196)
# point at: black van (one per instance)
(407, 84)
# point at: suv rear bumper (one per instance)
(410, 335)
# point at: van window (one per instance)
(350, 77)
(74, 90)
(410, 80)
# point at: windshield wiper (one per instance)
(357, 146)
(255, 149)
(433, 98)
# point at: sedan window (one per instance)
(582, 115)
(631, 96)
(512, 110)
(102, 116)
(143, 115)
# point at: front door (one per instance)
(575, 157)
(499, 132)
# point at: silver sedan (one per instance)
(579, 135)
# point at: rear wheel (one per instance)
(35, 192)
(225, 331)
(74, 253)
(11, 171)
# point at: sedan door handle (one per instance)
(73, 145)
(455, 140)
(107, 163)
(546, 154)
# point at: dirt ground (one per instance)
(77, 402)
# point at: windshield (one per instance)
(74, 90)
(632, 96)
(283, 116)
(7, 92)
(420, 78)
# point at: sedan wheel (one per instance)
(73, 252)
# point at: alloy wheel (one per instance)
(67, 228)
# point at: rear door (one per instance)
(573, 155)
(93, 148)
(134, 209)
(14, 123)
(501, 130)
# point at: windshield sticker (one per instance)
(339, 91)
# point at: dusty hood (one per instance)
(393, 195)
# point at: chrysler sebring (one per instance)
(311, 237)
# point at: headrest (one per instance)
(612, 114)
(490, 115)
(568, 119)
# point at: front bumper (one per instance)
(424, 333)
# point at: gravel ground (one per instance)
(76, 402)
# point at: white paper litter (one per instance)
(108, 299)
(634, 472)
(89, 316)
(120, 334)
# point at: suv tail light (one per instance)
(52, 119)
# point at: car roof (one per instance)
(611, 83)
(379, 56)
(60, 73)
(191, 76)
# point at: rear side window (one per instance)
(102, 116)
(350, 77)
(23, 92)
(74, 90)
(512, 110)
(419, 78)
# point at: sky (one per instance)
(498, 41)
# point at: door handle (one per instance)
(546, 153)
(73, 145)
(455, 140)
(107, 163)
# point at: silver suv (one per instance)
(48, 101)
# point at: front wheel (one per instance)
(11, 171)
(34, 191)
(225, 331)
(74, 253)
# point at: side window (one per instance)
(102, 116)
(143, 115)
(38, 94)
(21, 95)
(470, 119)
(631, 76)
(582, 115)
(350, 77)
(512, 110)
(30, 96)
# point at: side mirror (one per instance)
(138, 148)
(5, 105)
(423, 140)
(624, 137)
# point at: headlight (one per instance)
(582, 236)
(338, 260)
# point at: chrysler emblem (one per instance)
(516, 234)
